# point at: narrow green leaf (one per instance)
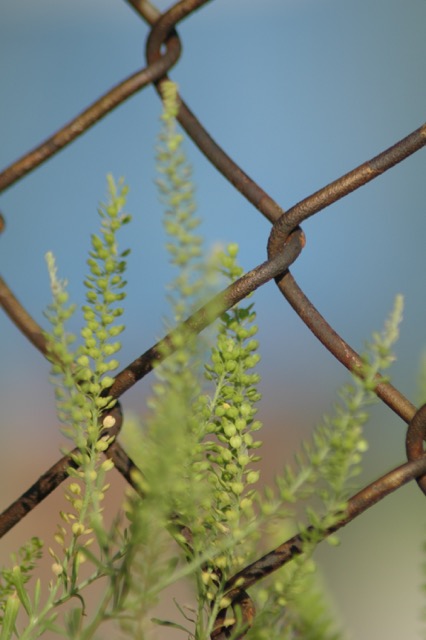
(9, 618)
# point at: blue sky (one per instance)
(298, 92)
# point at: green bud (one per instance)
(235, 442)
(237, 488)
(109, 265)
(95, 268)
(110, 296)
(115, 331)
(115, 225)
(243, 460)
(240, 424)
(248, 439)
(103, 253)
(229, 429)
(96, 242)
(109, 238)
(86, 333)
(226, 455)
(252, 477)
(102, 284)
(62, 297)
(232, 249)
(252, 345)
(232, 412)
(109, 349)
(106, 382)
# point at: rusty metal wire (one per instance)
(416, 435)
(90, 116)
(284, 245)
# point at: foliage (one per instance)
(197, 515)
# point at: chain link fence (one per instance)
(284, 246)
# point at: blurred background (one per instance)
(298, 92)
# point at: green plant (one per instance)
(197, 514)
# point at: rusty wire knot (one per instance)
(280, 237)
(416, 435)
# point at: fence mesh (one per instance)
(284, 246)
